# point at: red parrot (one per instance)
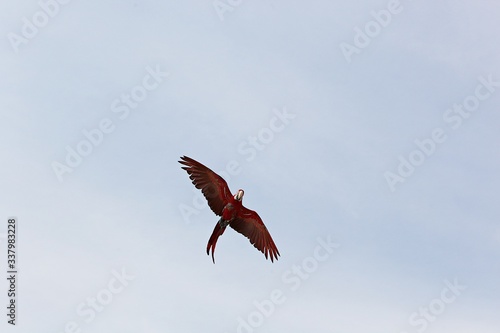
(230, 208)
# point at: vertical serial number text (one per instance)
(11, 271)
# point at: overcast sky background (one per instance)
(320, 176)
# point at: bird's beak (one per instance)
(239, 195)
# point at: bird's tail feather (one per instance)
(218, 230)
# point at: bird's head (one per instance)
(239, 195)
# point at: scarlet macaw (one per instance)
(230, 209)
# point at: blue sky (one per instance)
(375, 170)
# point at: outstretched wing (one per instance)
(212, 185)
(249, 223)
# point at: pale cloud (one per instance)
(319, 172)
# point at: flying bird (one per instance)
(230, 209)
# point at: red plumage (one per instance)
(245, 221)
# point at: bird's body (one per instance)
(230, 209)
